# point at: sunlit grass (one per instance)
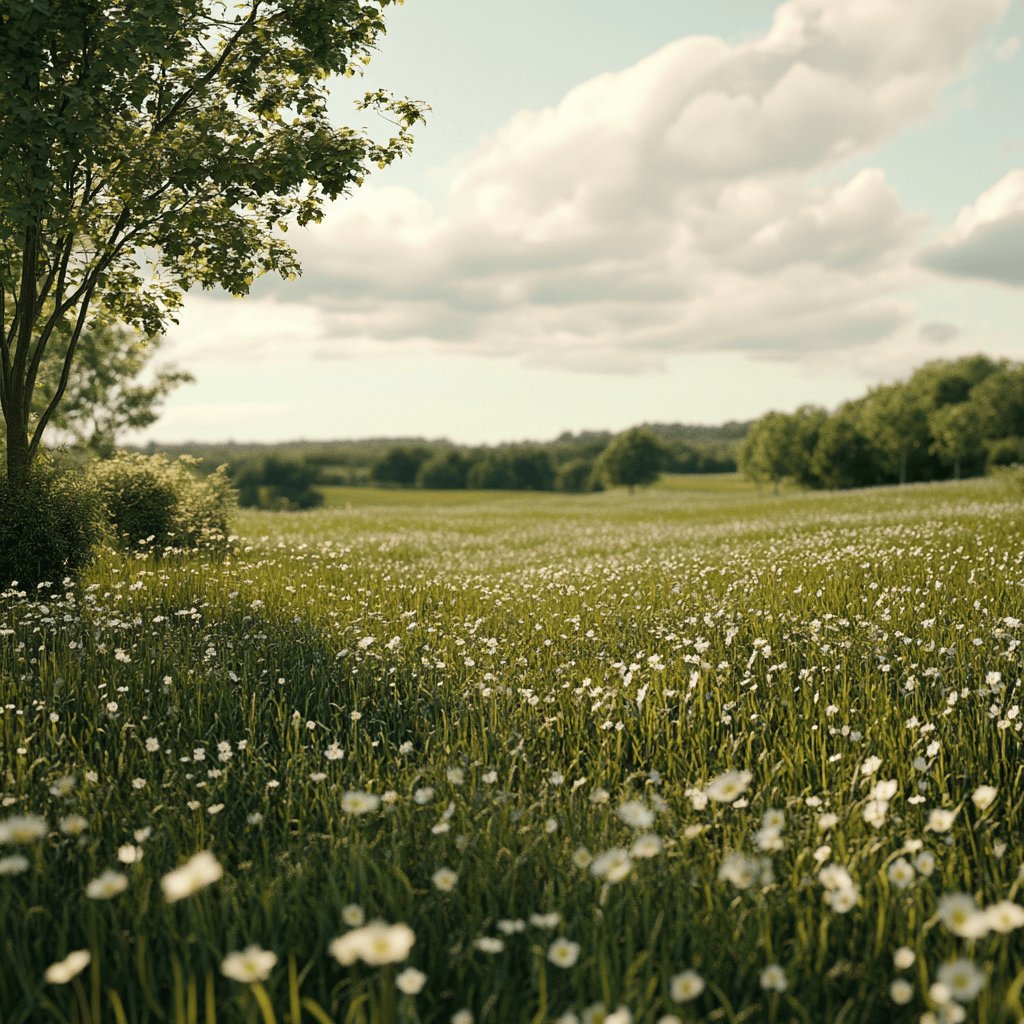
(514, 687)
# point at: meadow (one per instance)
(700, 753)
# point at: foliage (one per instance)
(633, 459)
(445, 471)
(578, 477)
(276, 483)
(400, 465)
(156, 505)
(104, 396)
(144, 152)
(49, 529)
(519, 468)
(951, 418)
(544, 697)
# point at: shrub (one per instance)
(49, 527)
(155, 504)
(578, 476)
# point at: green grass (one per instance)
(506, 671)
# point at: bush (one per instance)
(49, 528)
(155, 504)
(283, 485)
(578, 476)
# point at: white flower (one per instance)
(152, 744)
(250, 965)
(107, 885)
(582, 857)
(613, 865)
(903, 958)
(739, 869)
(901, 873)
(61, 972)
(73, 824)
(940, 820)
(376, 944)
(901, 991)
(489, 944)
(842, 901)
(963, 979)
(357, 802)
(686, 985)
(635, 814)
(21, 829)
(14, 864)
(462, 1016)
(423, 795)
(196, 873)
(646, 846)
(352, 914)
(925, 862)
(411, 981)
(444, 879)
(773, 979)
(563, 953)
(727, 787)
(870, 765)
(983, 796)
(1005, 916)
(961, 916)
(549, 920)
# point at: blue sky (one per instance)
(654, 212)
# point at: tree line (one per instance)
(291, 475)
(950, 419)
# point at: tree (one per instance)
(780, 446)
(142, 154)
(957, 437)
(276, 483)
(400, 465)
(104, 396)
(445, 471)
(633, 459)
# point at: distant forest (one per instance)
(289, 474)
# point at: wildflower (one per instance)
(196, 873)
(411, 981)
(511, 926)
(456, 776)
(152, 744)
(739, 869)
(462, 1016)
(64, 786)
(353, 915)
(646, 846)
(61, 972)
(564, 953)
(582, 857)
(73, 824)
(940, 820)
(686, 985)
(983, 796)
(376, 944)
(870, 765)
(773, 979)
(901, 873)
(727, 787)
(423, 795)
(550, 920)
(635, 814)
(613, 865)
(21, 829)
(1005, 916)
(961, 916)
(444, 879)
(14, 864)
(128, 854)
(489, 944)
(925, 862)
(963, 979)
(248, 966)
(901, 991)
(903, 958)
(355, 802)
(107, 885)
(842, 901)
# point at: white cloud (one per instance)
(987, 238)
(694, 201)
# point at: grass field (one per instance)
(698, 753)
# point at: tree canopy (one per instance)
(148, 149)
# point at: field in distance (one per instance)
(700, 752)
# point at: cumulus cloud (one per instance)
(987, 238)
(693, 201)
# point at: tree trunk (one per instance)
(903, 467)
(956, 469)
(19, 458)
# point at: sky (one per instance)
(652, 212)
